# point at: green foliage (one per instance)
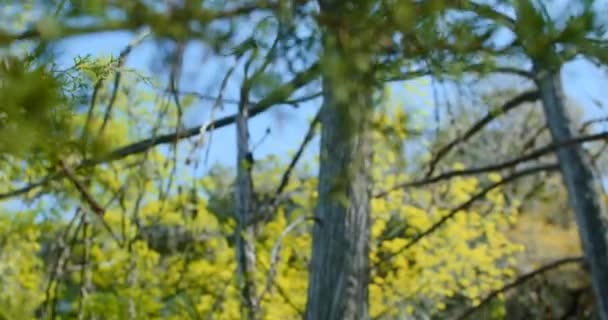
(34, 116)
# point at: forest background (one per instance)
(116, 205)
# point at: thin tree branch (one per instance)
(266, 208)
(274, 255)
(206, 97)
(528, 96)
(282, 292)
(64, 32)
(496, 167)
(85, 272)
(204, 15)
(489, 12)
(296, 101)
(276, 97)
(243, 194)
(473, 68)
(84, 193)
(117, 77)
(97, 208)
(591, 122)
(91, 110)
(219, 104)
(58, 268)
(519, 281)
(468, 203)
(532, 140)
(307, 138)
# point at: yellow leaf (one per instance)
(494, 177)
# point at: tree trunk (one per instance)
(340, 255)
(584, 190)
(245, 253)
(339, 268)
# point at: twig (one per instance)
(204, 16)
(206, 97)
(219, 103)
(91, 109)
(274, 255)
(85, 272)
(591, 122)
(63, 252)
(468, 203)
(121, 60)
(307, 138)
(283, 293)
(296, 101)
(93, 204)
(519, 281)
(276, 97)
(504, 165)
(528, 96)
(268, 206)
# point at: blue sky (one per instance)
(201, 76)
(583, 82)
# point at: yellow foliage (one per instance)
(469, 255)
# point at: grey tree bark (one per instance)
(584, 190)
(338, 277)
(245, 253)
(339, 267)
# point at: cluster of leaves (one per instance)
(34, 116)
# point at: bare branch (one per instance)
(528, 96)
(519, 281)
(93, 204)
(219, 104)
(468, 203)
(85, 272)
(591, 122)
(496, 167)
(278, 96)
(58, 267)
(274, 255)
(296, 101)
(473, 68)
(243, 194)
(307, 138)
(89, 199)
(205, 97)
(117, 78)
(65, 31)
